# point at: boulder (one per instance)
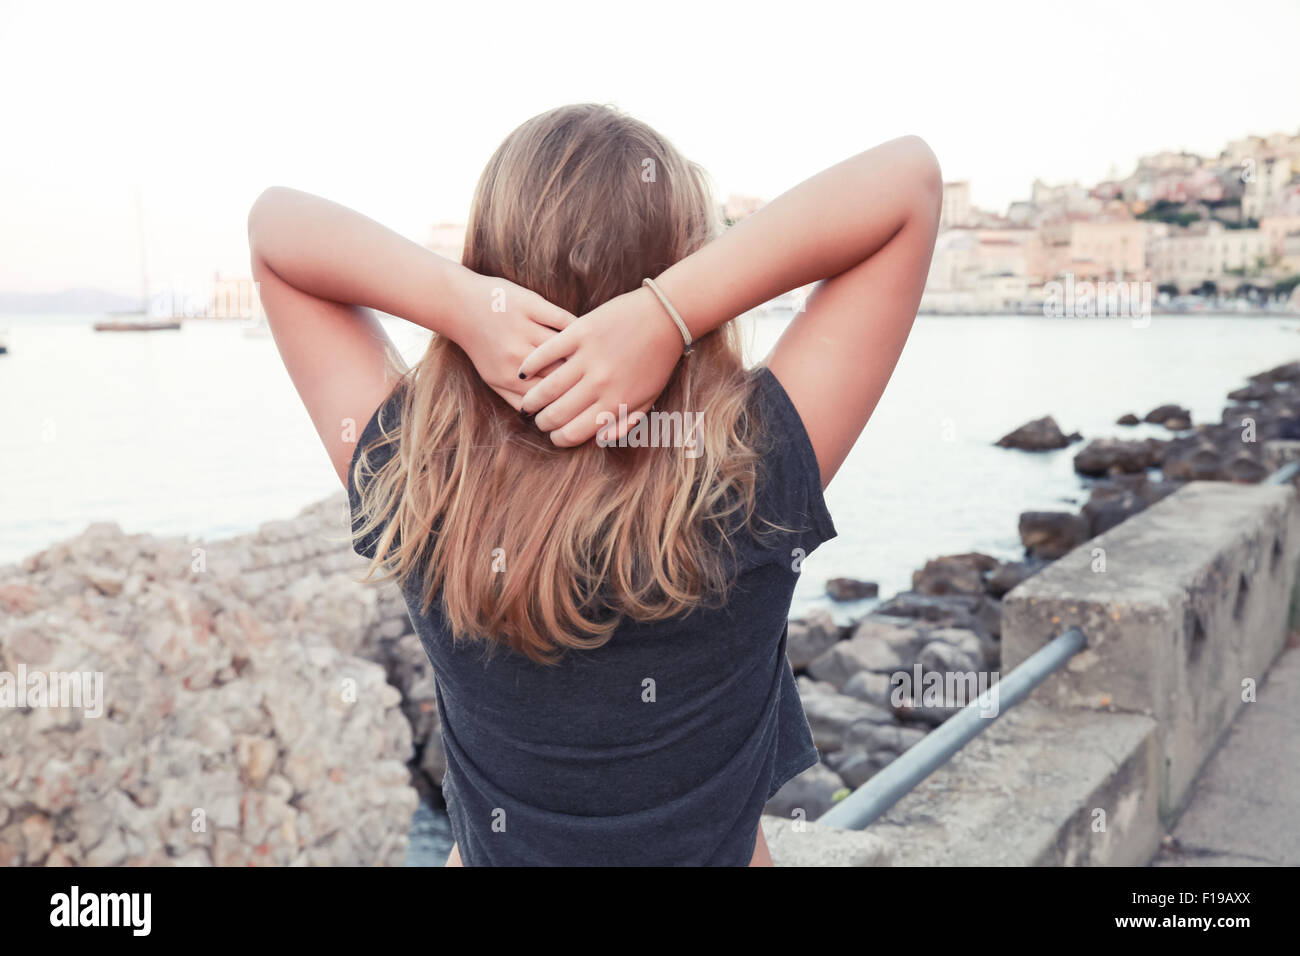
(851, 589)
(1010, 573)
(830, 714)
(1042, 434)
(1105, 456)
(807, 795)
(1051, 534)
(1173, 417)
(954, 574)
(859, 653)
(809, 638)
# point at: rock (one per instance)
(1051, 534)
(230, 733)
(1010, 573)
(953, 574)
(1042, 434)
(846, 658)
(829, 715)
(962, 639)
(900, 635)
(1254, 392)
(943, 657)
(1108, 505)
(850, 589)
(808, 795)
(807, 639)
(1173, 417)
(929, 607)
(1127, 419)
(871, 687)
(856, 767)
(1104, 456)
(1289, 372)
(106, 581)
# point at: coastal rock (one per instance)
(1288, 372)
(1254, 392)
(808, 795)
(1173, 417)
(862, 652)
(900, 635)
(809, 638)
(1010, 573)
(856, 766)
(954, 574)
(850, 589)
(871, 687)
(1042, 434)
(225, 736)
(1128, 419)
(1051, 534)
(830, 714)
(1104, 456)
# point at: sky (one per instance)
(393, 108)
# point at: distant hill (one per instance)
(89, 301)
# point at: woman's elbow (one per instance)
(259, 215)
(926, 176)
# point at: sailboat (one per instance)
(140, 320)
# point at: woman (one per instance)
(603, 596)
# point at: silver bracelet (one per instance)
(677, 319)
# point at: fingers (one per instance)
(580, 428)
(554, 384)
(548, 353)
(567, 407)
(547, 314)
(619, 430)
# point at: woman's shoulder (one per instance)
(789, 490)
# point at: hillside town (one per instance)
(1197, 232)
(1193, 227)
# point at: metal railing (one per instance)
(937, 747)
(897, 779)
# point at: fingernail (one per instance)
(522, 375)
(526, 417)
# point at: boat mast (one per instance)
(144, 273)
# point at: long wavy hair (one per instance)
(542, 548)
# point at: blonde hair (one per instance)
(541, 548)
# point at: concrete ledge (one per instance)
(807, 844)
(1181, 605)
(1040, 787)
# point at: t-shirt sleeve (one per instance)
(383, 421)
(789, 490)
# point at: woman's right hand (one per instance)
(619, 354)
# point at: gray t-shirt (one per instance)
(588, 762)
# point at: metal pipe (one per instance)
(897, 779)
(1284, 475)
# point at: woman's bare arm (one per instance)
(321, 268)
(866, 225)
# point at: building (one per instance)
(957, 210)
(1108, 249)
(1208, 252)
